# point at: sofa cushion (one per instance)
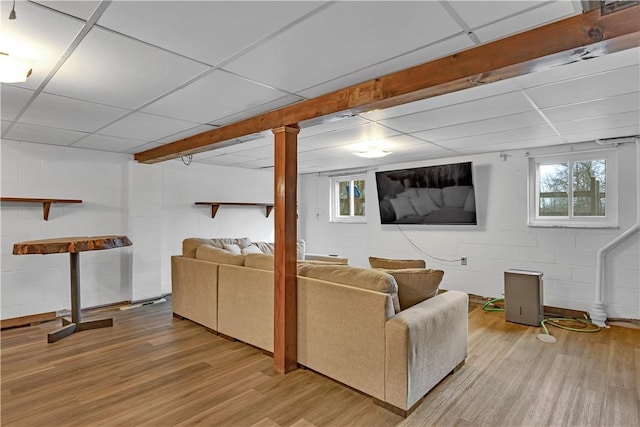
(416, 284)
(388, 263)
(433, 192)
(269, 248)
(374, 280)
(454, 197)
(408, 193)
(210, 253)
(190, 245)
(260, 261)
(424, 205)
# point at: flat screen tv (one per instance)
(442, 194)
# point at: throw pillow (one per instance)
(409, 192)
(454, 197)
(424, 205)
(470, 203)
(232, 247)
(416, 285)
(389, 263)
(251, 249)
(403, 207)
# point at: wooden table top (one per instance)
(70, 244)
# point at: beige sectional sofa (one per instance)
(350, 326)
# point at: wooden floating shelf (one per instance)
(46, 203)
(216, 205)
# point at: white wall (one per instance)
(501, 241)
(40, 283)
(152, 204)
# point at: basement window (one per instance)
(573, 190)
(348, 199)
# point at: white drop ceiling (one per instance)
(126, 76)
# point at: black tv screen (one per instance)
(442, 194)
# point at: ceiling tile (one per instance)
(110, 69)
(224, 159)
(481, 109)
(43, 135)
(331, 126)
(498, 137)
(217, 95)
(209, 31)
(596, 108)
(595, 86)
(581, 68)
(108, 143)
(144, 147)
(478, 13)
(326, 47)
(420, 56)
(72, 114)
(597, 123)
(512, 121)
(368, 132)
(196, 130)
(80, 9)
(549, 12)
(145, 127)
(542, 141)
(39, 35)
(591, 134)
(12, 100)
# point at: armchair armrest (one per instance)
(423, 345)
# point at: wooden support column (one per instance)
(285, 341)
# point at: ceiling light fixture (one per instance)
(372, 153)
(12, 14)
(14, 69)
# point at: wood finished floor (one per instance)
(150, 369)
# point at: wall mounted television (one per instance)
(442, 194)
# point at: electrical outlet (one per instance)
(463, 260)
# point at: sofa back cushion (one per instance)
(259, 261)
(219, 242)
(455, 196)
(388, 263)
(416, 284)
(269, 248)
(208, 252)
(190, 245)
(374, 280)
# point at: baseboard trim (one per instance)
(31, 320)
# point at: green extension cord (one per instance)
(486, 307)
(553, 321)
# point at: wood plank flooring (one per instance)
(150, 369)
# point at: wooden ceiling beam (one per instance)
(559, 43)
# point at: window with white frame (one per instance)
(573, 190)
(348, 199)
